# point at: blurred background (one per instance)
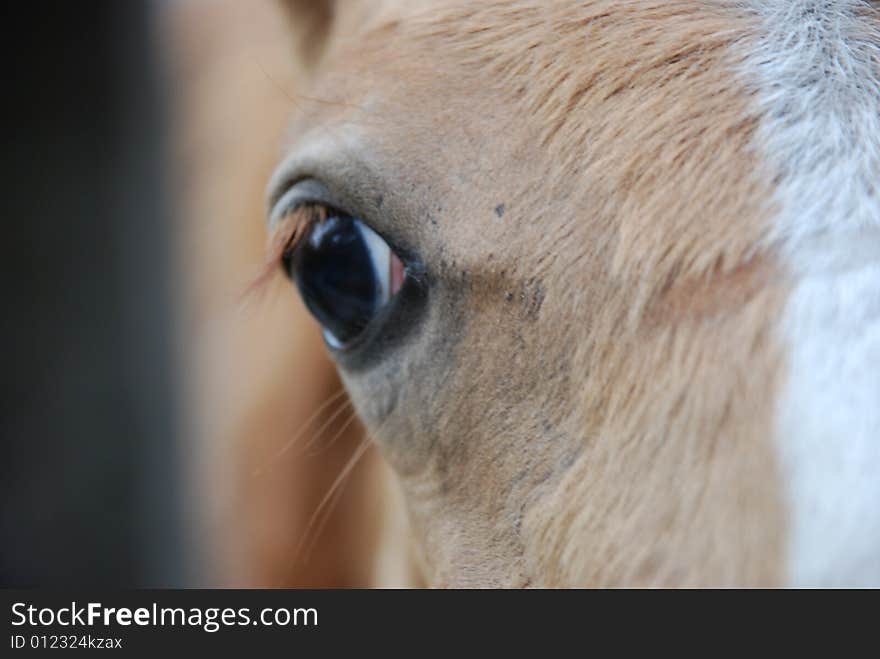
(160, 426)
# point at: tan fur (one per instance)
(606, 418)
(589, 401)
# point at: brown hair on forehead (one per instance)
(635, 105)
(643, 126)
(639, 105)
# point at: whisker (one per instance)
(290, 97)
(305, 426)
(333, 439)
(325, 519)
(324, 510)
(316, 436)
(334, 493)
(298, 97)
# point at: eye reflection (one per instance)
(346, 273)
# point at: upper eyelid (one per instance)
(330, 158)
(345, 176)
(343, 162)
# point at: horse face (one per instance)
(540, 239)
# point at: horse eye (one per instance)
(346, 273)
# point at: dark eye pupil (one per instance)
(335, 275)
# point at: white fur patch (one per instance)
(815, 68)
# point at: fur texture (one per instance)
(649, 352)
(558, 417)
(814, 67)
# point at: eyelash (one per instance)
(286, 233)
(311, 198)
(296, 224)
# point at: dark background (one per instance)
(88, 419)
